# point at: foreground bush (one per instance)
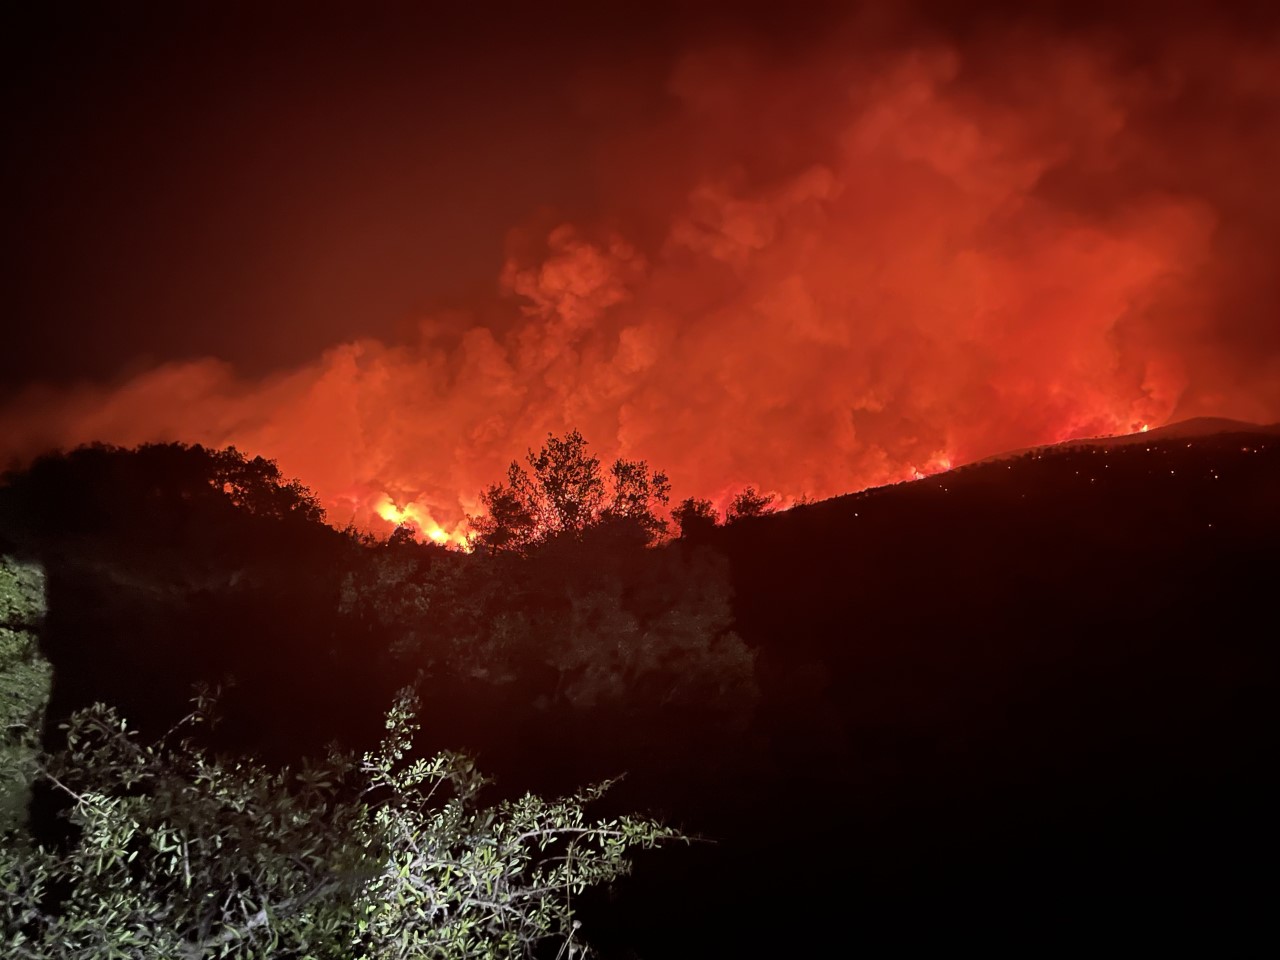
(170, 852)
(25, 682)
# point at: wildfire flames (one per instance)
(412, 515)
(808, 272)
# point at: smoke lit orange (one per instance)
(807, 273)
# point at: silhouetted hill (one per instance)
(1037, 691)
(1195, 428)
(1192, 428)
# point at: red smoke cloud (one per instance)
(813, 273)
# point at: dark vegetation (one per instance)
(1034, 693)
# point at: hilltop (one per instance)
(1191, 428)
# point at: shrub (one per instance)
(25, 683)
(170, 852)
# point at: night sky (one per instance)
(809, 250)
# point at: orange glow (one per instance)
(412, 515)
(809, 275)
(388, 511)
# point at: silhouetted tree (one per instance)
(158, 488)
(258, 487)
(637, 492)
(695, 517)
(564, 492)
(749, 503)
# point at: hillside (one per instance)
(1042, 686)
(1194, 428)
(1036, 690)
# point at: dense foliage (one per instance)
(599, 622)
(177, 557)
(25, 679)
(172, 852)
(154, 494)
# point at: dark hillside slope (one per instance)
(1036, 691)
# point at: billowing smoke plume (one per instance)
(817, 269)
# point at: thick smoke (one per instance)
(817, 267)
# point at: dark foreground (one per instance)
(1030, 703)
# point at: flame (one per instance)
(420, 520)
(940, 462)
(388, 511)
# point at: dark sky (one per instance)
(259, 181)
(191, 182)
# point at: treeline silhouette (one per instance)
(1031, 691)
